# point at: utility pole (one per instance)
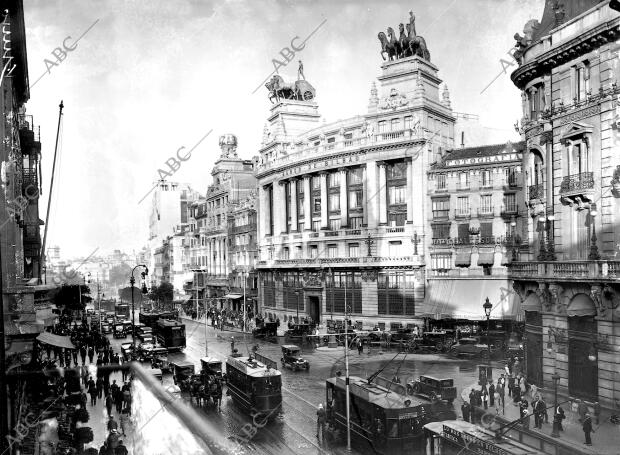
(244, 310)
(346, 364)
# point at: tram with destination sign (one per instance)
(457, 437)
(255, 384)
(382, 417)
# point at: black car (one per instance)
(266, 330)
(291, 355)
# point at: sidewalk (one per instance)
(606, 440)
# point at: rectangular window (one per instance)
(463, 232)
(285, 253)
(395, 124)
(300, 206)
(485, 204)
(463, 180)
(316, 226)
(511, 176)
(382, 126)
(441, 231)
(313, 251)
(316, 204)
(334, 224)
(397, 218)
(408, 122)
(510, 203)
(396, 248)
(332, 251)
(334, 202)
(462, 206)
(331, 140)
(441, 208)
(441, 181)
(397, 194)
(316, 182)
(397, 170)
(579, 159)
(333, 179)
(354, 250)
(301, 226)
(298, 252)
(356, 222)
(486, 230)
(442, 261)
(485, 179)
(355, 199)
(356, 176)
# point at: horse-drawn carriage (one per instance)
(182, 372)
(206, 387)
(300, 90)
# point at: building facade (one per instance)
(475, 220)
(342, 206)
(567, 274)
(233, 181)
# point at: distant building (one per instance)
(476, 219)
(567, 274)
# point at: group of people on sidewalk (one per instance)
(494, 394)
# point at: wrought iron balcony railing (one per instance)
(577, 182)
(486, 211)
(536, 191)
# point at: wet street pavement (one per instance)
(294, 431)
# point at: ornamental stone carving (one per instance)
(555, 290)
(545, 296)
(369, 275)
(394, 101)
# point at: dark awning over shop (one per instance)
(463, 259)
(486, 257)
(463, 299)
(56, 340)
(581, 305)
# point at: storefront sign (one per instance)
(473, 240)
(485, 159)
(473, 443)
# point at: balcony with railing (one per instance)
(26, 123)
(565, 270)
(322, 262)
(30, 182)
(509, 210)
(486, 212)
(462, 186)
(462, 214)
(441, 214)
(536, 191)
(577, 185)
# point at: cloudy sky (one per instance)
(150, 76)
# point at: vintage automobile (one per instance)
(291, 356)
(119, 331)
(266, 330)
(435, 389)
(106, 328)
(299, 330)
(211, 366)
(471, 347)
(159, 359)
(146, 338)
(441, 339)
(182, 370)
(376, 334)
(126, 350)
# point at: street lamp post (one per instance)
(594, 254)
(556, 424)
(244, 305)
(132, 281)
(487, 311)
(297, 294)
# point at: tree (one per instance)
(68, 297)
(119, 274)
(162, 294)
(125, 294)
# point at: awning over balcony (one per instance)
(463, 259)
(486, 257)
(532, 303)
(232, 296)
(463, 299)
(581, 305)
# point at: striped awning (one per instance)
(486, 257)
(463, 259)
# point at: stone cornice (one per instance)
(572, 49)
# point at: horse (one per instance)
(417, 44)
(386, 47)
(280, 89)
(394, 42)
(404, 41)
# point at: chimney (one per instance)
(462, 139)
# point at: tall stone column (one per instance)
(410, 190)
(264, 212)
(279, 213)
(372, 196)
(294, 216)
(344, 211)
(364, 197)
(382, 195)
(324, 201)
(307, 203)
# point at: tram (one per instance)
(170, 334)
(255, 384)
(387, 421)
(457, 437)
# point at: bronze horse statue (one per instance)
(387, 47)
(407, 45)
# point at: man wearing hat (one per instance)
(320, 422)
(587, 428)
